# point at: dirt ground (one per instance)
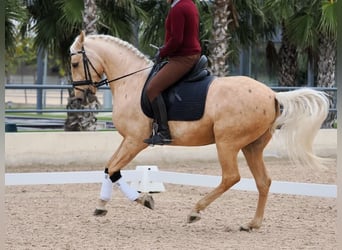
(60, 216)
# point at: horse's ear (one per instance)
(81, 37)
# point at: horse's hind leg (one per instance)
(230, 176)
(254, 156)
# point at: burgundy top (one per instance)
(182, 31)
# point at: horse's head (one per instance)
(86, 68)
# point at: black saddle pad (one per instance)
(185, 101)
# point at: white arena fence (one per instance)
(57, 89)
(150, 179)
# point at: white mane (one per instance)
(111, 39)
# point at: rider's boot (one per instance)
(161, 132)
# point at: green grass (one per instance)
(61, 116)
(34, 115)
(51, 116)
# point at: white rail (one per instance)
(144, 180)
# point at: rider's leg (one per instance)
(174, 70)
(163, 132)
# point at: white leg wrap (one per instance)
(130, 192)
(106, 188)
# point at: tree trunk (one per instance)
(90, 17)
(326, 62)
(220, 38)
(84, 121)
(326, 73)
(287, 61)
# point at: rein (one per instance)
(88, 80)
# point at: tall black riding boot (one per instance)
(161, 132)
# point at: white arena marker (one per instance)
(144, 183)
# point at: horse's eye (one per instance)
(74, 65)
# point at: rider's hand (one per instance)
(157, 58)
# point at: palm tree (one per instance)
(278, 13)
(152, 27)
(219, 42)
(90, 17)
(237, 25)
(288, 54)
(55, 25)
(313, 30)
(108, 17)
(309, 31)
(14, 12)
(151, 20)
(309, 28)
(84, 121)
(122, 19)
(327, 45)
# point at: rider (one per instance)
(182, 48)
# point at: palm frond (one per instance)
(328, 21)
(71, 11)
(302, 30)
(15, 13)
(118, 18)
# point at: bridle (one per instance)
(88, 80)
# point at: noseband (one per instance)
(88, 80)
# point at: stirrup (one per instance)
(158, 139)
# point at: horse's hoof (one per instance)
(193, 217)
(245, 228)
(100, 212)
(147, 201)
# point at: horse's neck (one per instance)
(118, 62)
(131, 86)
(126, 94)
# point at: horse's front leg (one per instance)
(127, 150)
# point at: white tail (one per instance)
(304, 111)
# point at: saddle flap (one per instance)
(200, 65)
(197, 76)
(199, 71)
(185, 100)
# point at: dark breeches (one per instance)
(173, 71)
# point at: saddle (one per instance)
(184, 100)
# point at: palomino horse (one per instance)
(240, 114)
